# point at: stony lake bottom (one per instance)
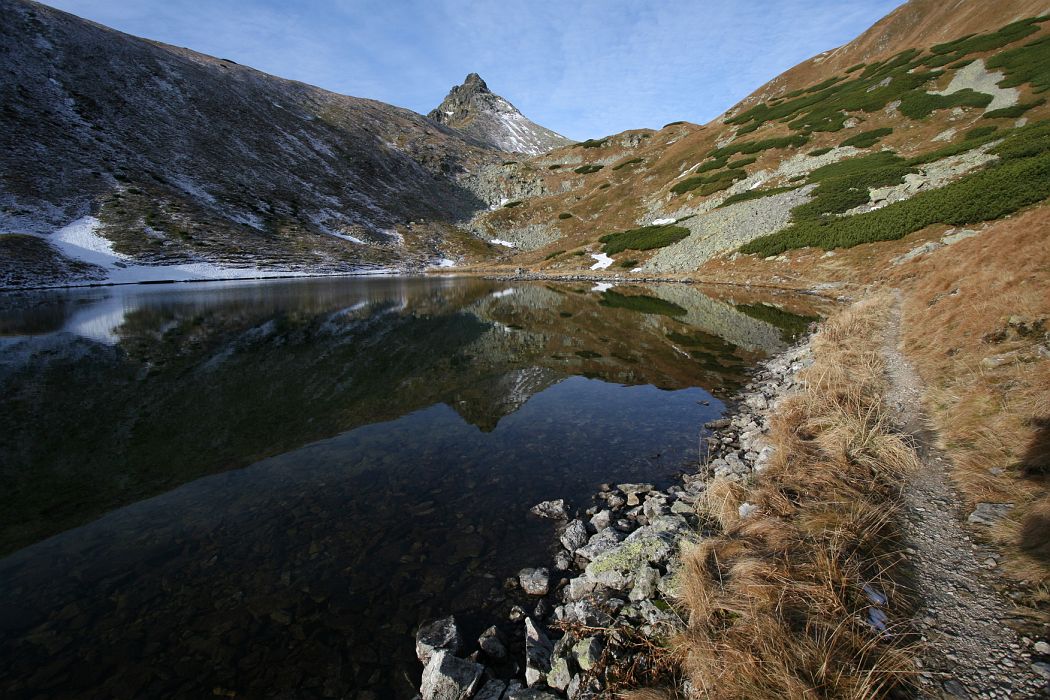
(261, 489)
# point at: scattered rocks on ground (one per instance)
(620, 568)
(989, 513)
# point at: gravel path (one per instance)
(970, 652)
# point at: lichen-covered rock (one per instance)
(645, 582)
(643, 546)
(560, 674)
(600, 542)
(588, 652)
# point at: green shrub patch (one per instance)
(1026, 64)
(712, 165)
(624, 164)
(511, 205)
(866, 139)
(970, 142)
(644, 238)
(756, 146)
(733, 165)
(845, 184)
(919, 105)
(588, 169)
(551, 256)
(980, 132)
(977, 43)
(868, 88)
(1020, 178)
(592, 143)
(565, 215)
(709, 184)
(1016, 111)
(819, 151)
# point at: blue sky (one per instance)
(585, 69)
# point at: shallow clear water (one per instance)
(262, 488)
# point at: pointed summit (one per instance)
(474, 81)
(474, 110)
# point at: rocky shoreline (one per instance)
(603, 610)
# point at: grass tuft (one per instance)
(775, 602)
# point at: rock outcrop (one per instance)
(475, 111)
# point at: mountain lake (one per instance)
(261, 489)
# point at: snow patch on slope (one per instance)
(81, 241)
(603, 261)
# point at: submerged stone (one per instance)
(550, 509)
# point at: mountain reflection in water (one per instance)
(262, 489)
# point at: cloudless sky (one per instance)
(584, 68)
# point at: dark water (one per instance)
(261, 489)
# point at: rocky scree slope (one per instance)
(478, 113)
(184, 157)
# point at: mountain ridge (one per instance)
(186, 158)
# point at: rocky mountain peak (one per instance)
(475, 111)
(474, 82)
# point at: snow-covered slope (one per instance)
(474, 110)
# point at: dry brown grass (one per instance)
(776, 603)
(993, 421)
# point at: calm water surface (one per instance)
(261, 489)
